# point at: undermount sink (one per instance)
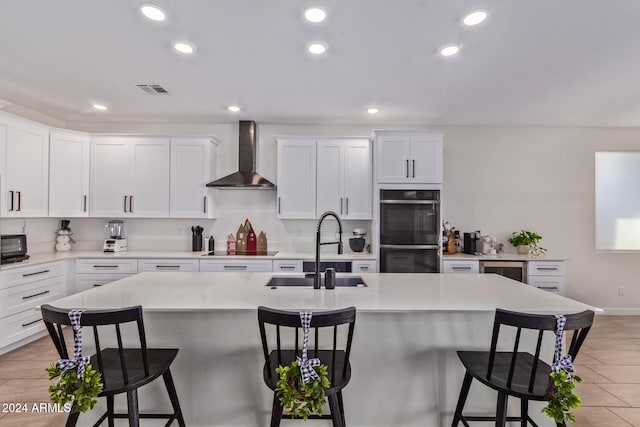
(307, 281)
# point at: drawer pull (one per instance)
(175, 267)
(235, 267)
(37, 272)
(364, 267)
(95, 285)
(24, 325)
(547, 268)
(454, 267)
(548, 287)
(287, 267)
(36, 295)
(105, 266)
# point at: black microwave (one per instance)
(13, 248)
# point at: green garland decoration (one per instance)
(299, 398)
(83, 392)
(563, 398)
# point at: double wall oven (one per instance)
(409, 231)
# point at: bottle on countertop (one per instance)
(231, 245)
(211, 245)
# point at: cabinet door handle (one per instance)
(235, 267)
(205, 204)
(84, 209)
(407, 168)
(278, 204)
(174, 267)
(125, 204)
(413, 168)
(37, 272)
(11, 197)
(36, 295)
(340, 205)
(105, 266)
(130, 203)
(24, 325)
(19, 200)
(346, 205)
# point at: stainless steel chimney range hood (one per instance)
(246, 177)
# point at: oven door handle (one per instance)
(410, 246)
(409, 202)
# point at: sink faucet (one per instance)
(316, 278)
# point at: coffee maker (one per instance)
(116, 241)
(471, 242)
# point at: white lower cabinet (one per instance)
(237, 265)
(362, 266)
(162, 264)
(93, 272)
(287, 266)
(546, 275)
(460, 266)
(22, 289)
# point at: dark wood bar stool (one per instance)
(336, 359)
(517, 373)
(123, 370)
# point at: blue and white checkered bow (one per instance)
(77, 361)
(561, 363)
(306, 365)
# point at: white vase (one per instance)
(523, 249)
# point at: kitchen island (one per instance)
(408, 327)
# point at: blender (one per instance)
(116, 241)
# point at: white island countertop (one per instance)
(386, 292)
(424, 318)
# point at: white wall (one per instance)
(497, 179)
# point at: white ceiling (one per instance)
(545, 62)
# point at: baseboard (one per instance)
(622, 311)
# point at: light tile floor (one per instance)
(609, 365)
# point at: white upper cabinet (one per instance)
(68, 174)
(129, 177)
(344, 178)
(409, 157)
(191, 169)
(296, 178)
(25, 179)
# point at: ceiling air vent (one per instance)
(153, 89)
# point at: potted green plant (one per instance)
(70, 389)
(300, 398)
(527, 241)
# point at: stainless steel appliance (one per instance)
(409, 231)
(13, 248)
(516, 270)
(116, 241)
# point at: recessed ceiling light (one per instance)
(475, 17)
(315, 14)
(317, 48)
(153, 12)
(233, 108)
(373, 110)
(449, 50)
(100, 107)
(184, 47)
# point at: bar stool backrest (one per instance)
(319, 320)
(579, 324)
(55, 318)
